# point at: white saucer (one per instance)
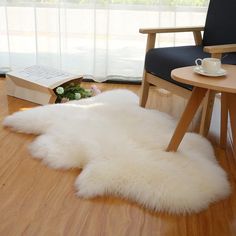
(200, 71)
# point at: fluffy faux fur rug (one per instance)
(121, 148)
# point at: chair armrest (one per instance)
(151, 32)
(170, 30)
(220, 48)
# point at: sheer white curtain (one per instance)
(98, 39)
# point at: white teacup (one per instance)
(209, 65)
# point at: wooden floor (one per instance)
(36, 200)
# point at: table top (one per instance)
(225, 83)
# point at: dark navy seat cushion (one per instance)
(161, 61)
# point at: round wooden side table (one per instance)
(203, 84)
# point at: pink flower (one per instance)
(95, 90)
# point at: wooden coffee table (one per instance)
(202, 84)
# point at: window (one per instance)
(99, 38)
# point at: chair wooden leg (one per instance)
(193, 104)
(144, 91)
(223, 120)
(207, 112)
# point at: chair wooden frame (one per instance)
(149, 79)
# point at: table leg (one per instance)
(231, 98)
(187, 116)
(207, 112)
(223, 120)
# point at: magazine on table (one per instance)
(44, 76)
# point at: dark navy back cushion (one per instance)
(220, 27)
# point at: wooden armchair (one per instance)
(219, 41)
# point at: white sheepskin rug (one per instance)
(121, 149)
